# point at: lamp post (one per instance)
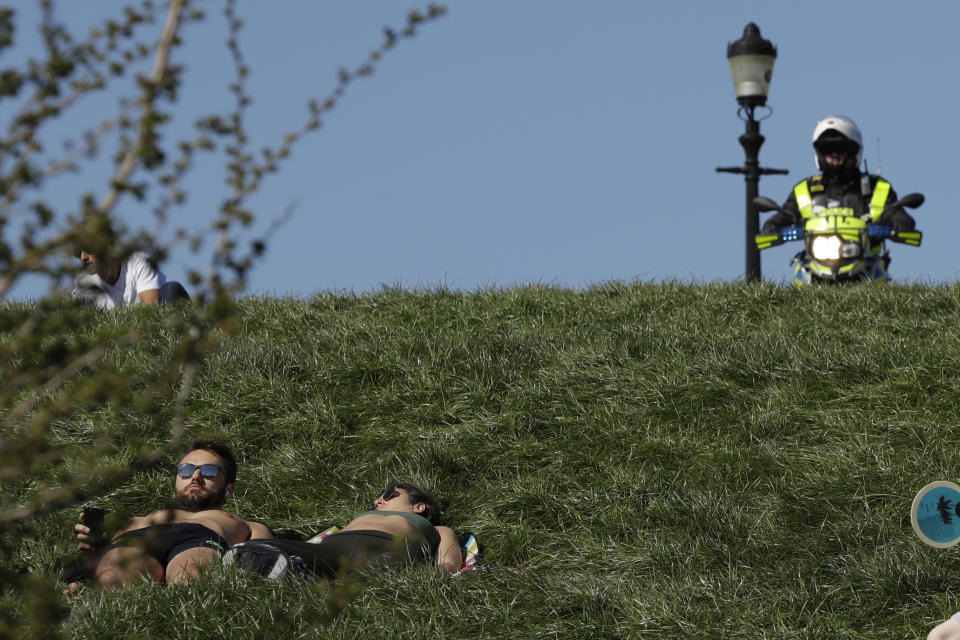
(751, 64)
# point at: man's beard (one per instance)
(200, 501)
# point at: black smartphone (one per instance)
(93, 518)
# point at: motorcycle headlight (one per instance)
(826, 247)
(850, 250)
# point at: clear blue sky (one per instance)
(560, 142)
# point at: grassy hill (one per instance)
(706, 461)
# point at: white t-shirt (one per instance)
(136, 276)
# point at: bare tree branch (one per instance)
(160, 62)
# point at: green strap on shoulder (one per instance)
(804, 202)
(880, 193)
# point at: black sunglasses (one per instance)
(389, 493)
(187, 469)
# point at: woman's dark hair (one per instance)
(223, 452)
(431, 511)
(96, 237)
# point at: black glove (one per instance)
(899, 221)
(770, 228)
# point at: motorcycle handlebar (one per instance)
(791, 233)
(879, 231)
(875, 231)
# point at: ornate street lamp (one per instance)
(751, 64)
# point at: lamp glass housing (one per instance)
(751, 77)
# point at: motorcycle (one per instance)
(839, 246)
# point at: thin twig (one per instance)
(160, 61)
(64, 496)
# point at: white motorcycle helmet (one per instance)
(835, 129)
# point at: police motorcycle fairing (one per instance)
(840, 246)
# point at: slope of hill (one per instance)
(674, 460)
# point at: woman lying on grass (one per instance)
(400, 530)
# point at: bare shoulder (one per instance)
(448, 537)
(259, 530)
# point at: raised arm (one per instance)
(448, 553)
(150, 297)
(146, 278)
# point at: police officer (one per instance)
(839, 149)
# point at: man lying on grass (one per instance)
(400, 530)
(175, 544)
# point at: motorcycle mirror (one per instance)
(764, 203)
(912, 200)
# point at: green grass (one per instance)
(706, 461)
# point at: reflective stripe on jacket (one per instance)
(877, 201)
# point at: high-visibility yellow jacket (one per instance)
(864, 193)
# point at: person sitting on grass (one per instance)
(400, 530)
(174, 545)
(108, 284)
